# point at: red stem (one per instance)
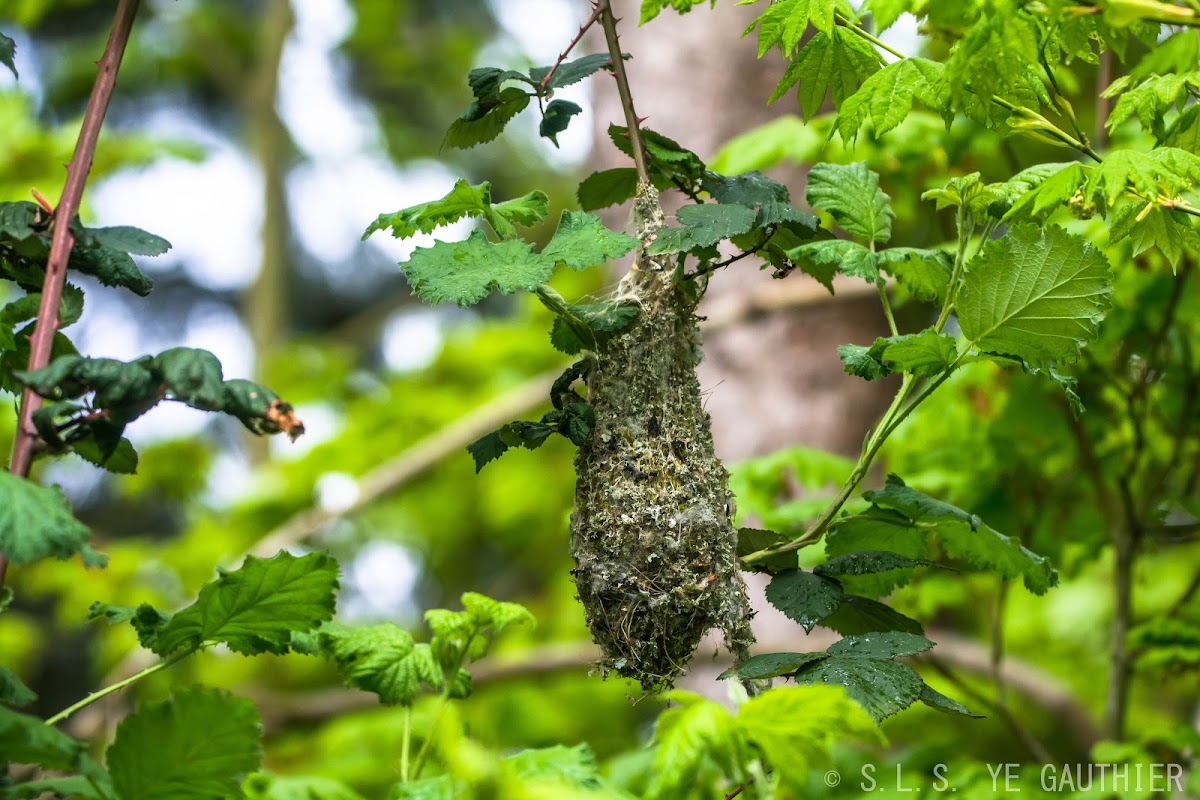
(61, 240)
(571, 46)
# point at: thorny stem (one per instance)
(115, 687)
(61, 241)
(604, 9)
(591, 20)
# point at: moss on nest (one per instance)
(655, 548)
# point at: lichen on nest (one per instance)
(651, 534)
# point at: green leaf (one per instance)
(887, 645)
(492, 617)
(573, 767)
(804, 597)
(924, 354)
(851, 194)
(111, 267)
(1039, 191)
(747, 189)
(872, 572)
(18, 219)
(376, 659)
(37, 523)
(651, 8)
(265, 786)
(880, 686)
(783, 23)
(582, 241)
(257, 607)
(1037, 293)
(8, 50)
(917, 506)
(485, 449)
(1169, 171)
(464, 200)
(997, 55)
(859, 361)
(771, 665)
(606, 188)
(1184, 131)
(556, 118)
(886, 97)
(751, 540)
(73, 786)
(130, 240)
(12, 691)
(570, 72)
(193, 377)
(197, 745)
(837, 61)
(707, 224)
(924, 273)
(465, 272)
(849, 258)
(685, 735)
(1169, 231)
(442, 787)
(483, 121)
(936, 700)
(796, 727)
(121, 460)
(857, 615)
(1151, 99)
(526, 210)
(25, 739)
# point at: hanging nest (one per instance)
(651, 534)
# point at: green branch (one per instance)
(116, 687)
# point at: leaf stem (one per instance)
(61, 241)
(405, 744)
(419, 762)
(115, 687)
(965, 228)
(862, 33)
(609, 22)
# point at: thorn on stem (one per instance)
(42, 201)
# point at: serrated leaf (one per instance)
(17, 219)
(707, 224)
(1151, 99)
(193, 377)
(121, 459)
(463, 200)
(686, 734)
(1038, 191)
(924, 273)
(111, 267)
(857, 615)
(1157, 227)
(573, 767)
(607, 188)
(583, 241)
(804, 597)
(13, 692)
(556, 118)
(377, 659)
(483, 121)
(924, 354)
(77, 787)
(25, 739)
(936, 700)
(771, 665)
(265, 786)
(131, 240)
(441, 787)
(197, 745)
(1164, 170)
(885, 644)
(917, 506)
(880, 686)
(570, 72)
(796, 727)
(487, 448)
(465, 272)
(526, 210)
(752, 189)
(496, 615)
(1184, 131)
(837, 62)
(486, 82)
(1037, 293)
(36, 522)
(858, 361)
(887, 96)
(256, 608)
(849, 258)
(8, 51)
(851, 194)
(872, 572)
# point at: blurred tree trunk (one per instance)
(775, 379)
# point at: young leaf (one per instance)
(651, 8)
(707, 224)
(607, 188)
(492, 617)
(1036, 293)
(881, 686)
(197, 745)
(924, 354)
(441, 787)
(804, 597)
(849, 258)
(886, 97)
(25, 739)
(375, 659)
(582, 241)
(464, 200)
(37, 523)
(837, 61)
(771, 665)
(1039, 191)
(256, 608)
(1151, 99)
(556, 118)
(1169, 231)
(925, 274)
(561, 766)
(851, 194)
(465, 272)
(483, 121)
(796, 727)
(1164, 170)
(686, 734)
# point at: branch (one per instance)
(591, 20)
(61, 240)
(604, 8)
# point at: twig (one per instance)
(571, 46)
(61, 240)
(604, 8)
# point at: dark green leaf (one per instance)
(935, 699)
(751, 540)
(884, 644)
(748, 189)
(25, 739)
(556, 118)
(18, 218)
(924, 354)
(482, 122)
(857, 615)
(917, 506)
(707, 224)
(121, 459)
(8, 50)
(465, 272)
(130, 240)
(804, 597)
(603, 189)
(487, 448)
(850, 193)
(111, 267)
(771, 665)
(924, 273)
(255, 608)
(870, 562)
(12, 691)
(860, 362)
(77, 787)
(197, 745)
(881, 687)
(36, 522)
(570, 72)
(582, 241)
(193, 377)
